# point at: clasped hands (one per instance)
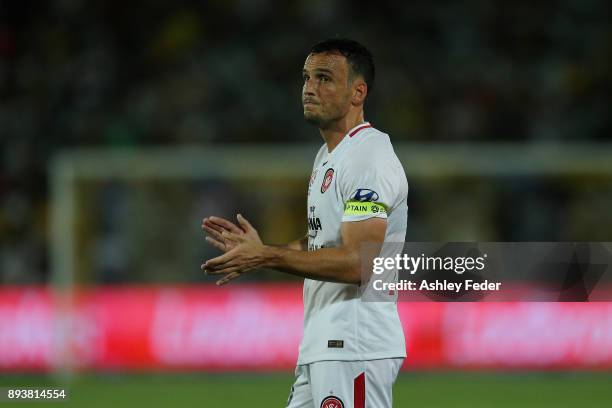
(242, 247)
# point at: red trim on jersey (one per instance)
(356, 130)
(359, 391)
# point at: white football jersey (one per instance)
(363, 169)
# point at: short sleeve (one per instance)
(369, 183)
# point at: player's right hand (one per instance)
(216, 226)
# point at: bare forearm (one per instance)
(326, 264)
(297, 245)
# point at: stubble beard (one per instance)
(314, 119)
(318, 120)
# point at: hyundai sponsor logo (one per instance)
(365, 194)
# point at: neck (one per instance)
(335, 131)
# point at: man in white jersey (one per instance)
(352, 350)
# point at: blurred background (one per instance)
(123, 124)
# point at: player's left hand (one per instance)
(216, 226)
(246, 255)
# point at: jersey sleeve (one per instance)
(369, 183)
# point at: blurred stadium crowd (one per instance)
(75, 73)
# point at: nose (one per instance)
(308, 89)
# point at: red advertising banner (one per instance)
(258, 327)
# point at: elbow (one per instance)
(354, 276)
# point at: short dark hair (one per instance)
(359, 58)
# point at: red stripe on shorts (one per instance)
(359, 391)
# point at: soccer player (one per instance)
(352, 350)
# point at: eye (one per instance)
(324, 78)
(305, 77)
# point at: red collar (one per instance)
(359, 128)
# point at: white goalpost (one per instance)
(269, 162)
(290, 161)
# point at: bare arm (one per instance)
(297, 245)
(341, 264)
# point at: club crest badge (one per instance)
(327, 180)
(332, 402)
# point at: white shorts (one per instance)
(345, 384)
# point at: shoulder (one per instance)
(371, 142)
(371, 152)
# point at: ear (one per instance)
(360, 91)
